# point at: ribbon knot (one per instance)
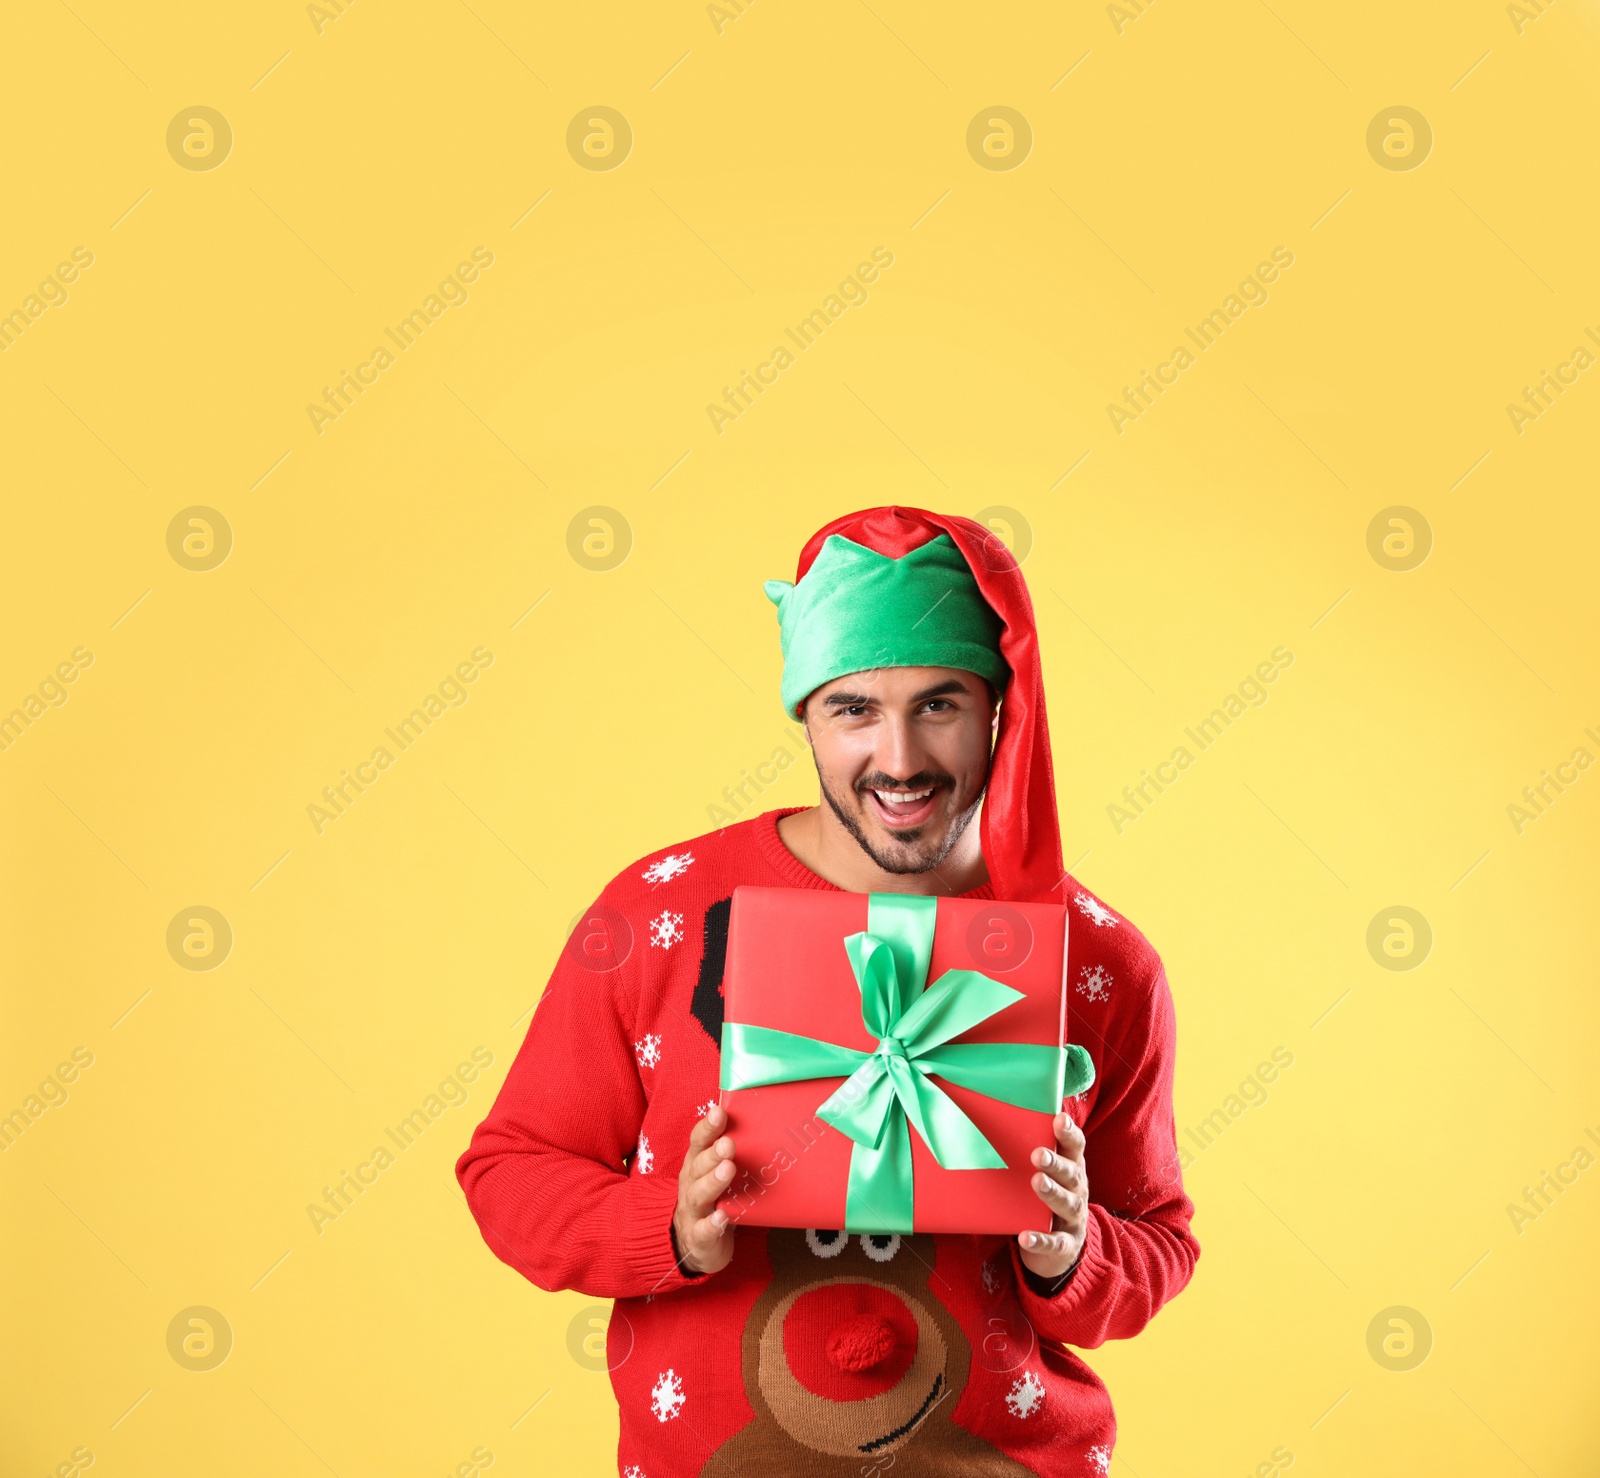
(890, 1089)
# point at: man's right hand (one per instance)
(703, 1233)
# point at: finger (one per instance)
(708, 1127)
(1069, 1137)
(699, 1243)
(708, 1159)
(1059, 1243)
(704, 1191)
(707, 1231)
(1067, 1205)
(1063, 1171)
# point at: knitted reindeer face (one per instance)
(848, 1357)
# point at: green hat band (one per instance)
(857, 609)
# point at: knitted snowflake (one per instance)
(1096, 910)
(633, 1470)
(705, 1108)
(668, 868)
(644, 1156)
(666, 1396)
(1027, 1393)
(666, 929)
(1095, 982)
(648, 1051)
(991, 1276)
(1099, 1459)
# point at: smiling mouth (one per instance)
(900, 810)
(900, 1431)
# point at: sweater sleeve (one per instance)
(1138, 1251)
(544, 1174)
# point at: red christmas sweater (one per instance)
(813, 1352)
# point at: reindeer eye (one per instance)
(826, 1244)
(881, 1247)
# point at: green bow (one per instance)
(889, 1089)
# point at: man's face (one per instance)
(903, 754)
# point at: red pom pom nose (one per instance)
(861, 1342)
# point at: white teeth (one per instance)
(903, 797)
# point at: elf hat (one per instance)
(902, 587)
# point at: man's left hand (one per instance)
(1062, 1183)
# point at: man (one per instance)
(911, 657)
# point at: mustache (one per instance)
(922, 780)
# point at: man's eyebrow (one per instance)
(938, 690)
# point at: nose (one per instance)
(899, 750)
(861, 1342)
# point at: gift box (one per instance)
(890, 1061)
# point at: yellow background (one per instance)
(1171, 151)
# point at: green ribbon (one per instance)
(890, 1089)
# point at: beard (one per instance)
(914, 850)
